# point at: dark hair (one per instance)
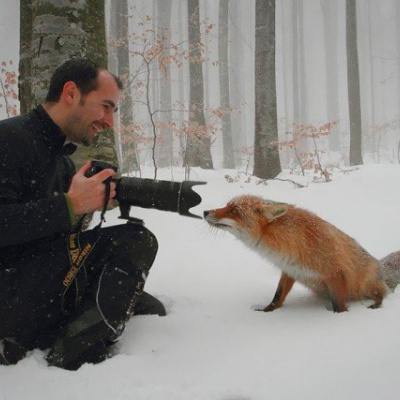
(79, 70)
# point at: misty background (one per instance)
(311, 76)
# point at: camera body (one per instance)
(149, 193)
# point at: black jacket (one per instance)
(35, 173)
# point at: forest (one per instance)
(259, 86)
(272, 98)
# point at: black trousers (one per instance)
(37, 305)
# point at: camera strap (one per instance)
(107, 183)
(79, 253)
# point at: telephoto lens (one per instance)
(149, 193)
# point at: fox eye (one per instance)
(233, 211)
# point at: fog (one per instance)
(378, 52)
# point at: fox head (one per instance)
(245, 215)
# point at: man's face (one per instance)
(94, 111)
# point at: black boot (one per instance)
(147, 304)
(87, 339)
(12, 352)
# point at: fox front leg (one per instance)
(284, 286)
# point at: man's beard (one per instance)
(76, 133)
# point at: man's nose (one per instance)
(108, 119)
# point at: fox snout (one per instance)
(209, 216)
(205, 214)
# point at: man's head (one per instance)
(82, 99)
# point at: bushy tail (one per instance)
(391, 269)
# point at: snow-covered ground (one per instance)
(212, 345)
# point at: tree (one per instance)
(329, 13)
(198, 146)
(298, 70)
(241, 21)
(223, 45)
(165, 142)
(25, 64)
(119, 64)
(60, 31)
(353, 83)
(266, 154)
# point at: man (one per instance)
(62, 288)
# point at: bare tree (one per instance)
(165, 136)
(223, 43)
(266, 154)
(198, 146)
(119, 64)
(299, 71)
(239, 14)
(353, 78)
(329, 13)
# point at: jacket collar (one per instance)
(53, 134)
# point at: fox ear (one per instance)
(276, 211)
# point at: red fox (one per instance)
(307, 249)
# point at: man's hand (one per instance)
(87, 194)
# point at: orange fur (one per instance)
(306, 248)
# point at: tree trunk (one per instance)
(329, 12)
(372, 84)
(295, 64)
(119, 64)
(353, 79)
(25, 63)
(182, 82)
(299, 75)
(266, 155)
(237, 76)
(228, 159)
(165, 137)
(198, 146)
(302, 64)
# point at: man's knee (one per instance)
(133, 242)
(132, 236)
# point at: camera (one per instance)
(149, 193)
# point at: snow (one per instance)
(212, 345)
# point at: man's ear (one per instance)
(70, 93)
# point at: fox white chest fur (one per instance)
(306, 248)
(284, 262)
